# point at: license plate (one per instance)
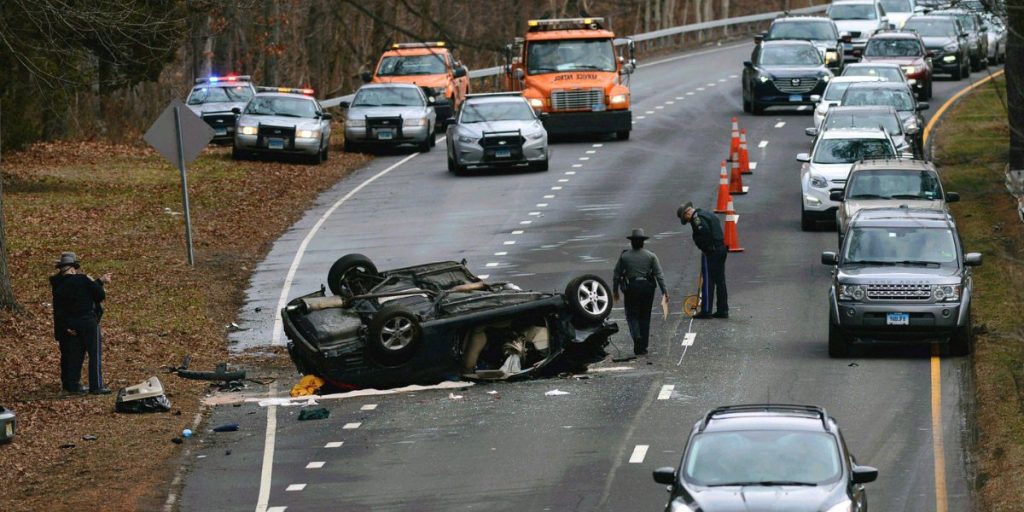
(795, 98)
(503, 153)
(897, 319)
(275, 143)
(599, 107)
(10, 429)
(220, 131)
(385, 134)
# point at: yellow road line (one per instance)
(938, 449)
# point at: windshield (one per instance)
(848, 151)
(771, 457)
(835, 90)
(497, 111)
(893, 48)
(890, 73)
(895, 246)
(931, 27)
(967, 22)
(790, 55)
(815, 31)
(412, 65)
(893, 184)
(890, 122)
(860, 96)
(851, 12)
(281, 106)
(570, 55)
(235, 94)
(897, 6)
(388, 97)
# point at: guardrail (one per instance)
(646, 36)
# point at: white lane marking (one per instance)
(723, 80)
(542, 205)
(368, 407)
(689, 93)
(597, 146)
(563, 180)
(689, 338)
(712, 84)
(762, 144)
(517, 232)
(638, 454)
(802, 107)
(350, 426)
(591, 151)
(296, 487)
(659, 107)
(525, 222)
(753, 165)
(584, 158)
(678, 98)
(334, 444)
(268, 454)
(556, 188)
(277, 509)
(666, 391)
(780, 124)
(501, 253)
(670, 102)
(577, 166)
(491, 264)
(570, 173)
(734, 76)
(641, 117)
(315, 465)
(534, 214)
(549, 196)
(649, 112)
(700, 88)
(484, 276)
(282, 301)
(509, 242)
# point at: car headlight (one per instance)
(248, 130)
(536, 103)
(851, 292)
(818, 181)
(466, 140)
(826, 78)
(846, 506)
(618, 98)
(308, 134)
(909, 70)
(946, 293)
(414, 121)
(910, 124)
(949, 58)
(951, 47)
(356, 123)
(763, 78)
(535, 135)
(831, 56)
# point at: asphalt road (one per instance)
(508, 446)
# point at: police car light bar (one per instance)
(565, 23)
(229, 78)
(427, 44)
(289, 90)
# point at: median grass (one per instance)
(971, 149)
(119, 207)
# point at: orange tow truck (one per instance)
(430, 65)
(569, 70)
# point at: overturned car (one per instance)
(427, 323)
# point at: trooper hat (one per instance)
(638, 234)
(68, 259)
(682, 210)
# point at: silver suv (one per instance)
(900, 276)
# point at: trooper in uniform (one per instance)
(76, 314)
(635, 274)
(709, 238)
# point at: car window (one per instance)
(903, 245)
(931, 27)
(859, 96)
(816, 31)
(893, 184)
(570, 55)
(897, 5)
(412, 65)
(890, 73)
(479, 112)
(835, 90)
(235, 94)
(967, 21)
(752, 456)
(890, 122)
(388, 97)
(281, 106)
(852, 12)
(893, 48)
(848, 151)
(790, 55)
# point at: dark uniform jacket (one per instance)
(638, 263)
(707, 231)
(76, 300)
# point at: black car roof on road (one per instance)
(766, 417)
(902, 217)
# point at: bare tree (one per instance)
(1015, 80)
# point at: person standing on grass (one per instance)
(76, 324)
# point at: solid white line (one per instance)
(315, 465)
(638, 454)
(334, 444)
(762, 144)
(268, 454)
(666, 391)
(368, 407)
(780, 124)
(283, 299)
(296, 487)
(350, 426)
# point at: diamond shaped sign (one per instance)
(195, 134)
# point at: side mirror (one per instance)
(803, 157)
(758, 39)
(326, 116)
(366, 76)
(815, 98)
(628, 68)
(520, 74)
(923, 106)
(811, 132)
(952, 197)
(912, 131)
(829, 258)
(236, 111)
(930, 54)
(963, 35)
(846, 37)
(747, 64)
(460, 72)
(665, 475)
(836, 195)
(344, 104)
(972, 259)
(864, 474)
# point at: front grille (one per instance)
(502, 146)
(390, 126)
(580, 99)
(221, 121)
(796, 85)
(268, 133)
(899, 292)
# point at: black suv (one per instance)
(946, 42)
(783, 73)
(820, 31)
(977, 35)
(900, 275)
(766, 457)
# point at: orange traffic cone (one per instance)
(744, 155)
(723, 191)
(736, 180)
(734, 142)
(732, 240)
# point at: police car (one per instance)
(213, 98)
(283, 121)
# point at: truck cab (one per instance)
(432, 66)
(571, 71)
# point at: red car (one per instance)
(908, 50)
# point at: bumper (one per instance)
(765, 94)
(473, 155)
(942, 65)
(578, 123)
(301, 146)
(867, 322)
(817, 201)
(7, 425)
(410, 135)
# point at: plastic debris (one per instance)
(556, 392)
(186, 433)
(453, 396)
(145, 397)
(308, 385)
(89, 437)
(314, 414)
(227, 427)
(492, 392)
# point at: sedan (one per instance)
(283, 121)
(906, 50)
(496, 130)
(833, 96)
(389, 115)
(871, 117)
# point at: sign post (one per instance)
(184, 186)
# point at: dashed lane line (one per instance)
(780, 124)
(334, 444)
(315, 465)
(762, 144)
(295, 487)
(368, 407)
(501, 253)
(639, 454)
(666, 391)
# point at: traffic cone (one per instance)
(744, 154)
(736, 180)
(723, 191)
(732, 240)
(734, 142)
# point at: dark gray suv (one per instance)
(900, 276)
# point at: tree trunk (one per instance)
(6, 292)
(270, 12)
(206, 60)
(1015, 80)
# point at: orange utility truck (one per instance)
(569, 70)
(430, 65)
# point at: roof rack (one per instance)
(488, 94)
(812, 409)
(425, 44)
(218, 79)
(565, 24)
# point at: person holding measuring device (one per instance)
(710, 239)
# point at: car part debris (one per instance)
(8, 424)
(314, 414)
(453, 396)
(220, 374)
(308, 385)
(89, 437)
(145, 397)
(556, 392)
(227, 427)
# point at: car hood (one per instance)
(936, 42)
(476, 130)
(832, 171)
(405, 112)
(865, 27)
(898, 275)
(438, 80)
(763, 499)
(793, 71)
(300, 123)
(216, 107)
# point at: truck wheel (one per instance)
(623, 135)
(352, 147)
(348, 275)
(236, 154)
(838, 344)
(960, 342)
(394, 335)
(589, 299)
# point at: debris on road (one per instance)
(145, 397)
(287, 402)
(8, 425)
(227, 427)
(314, 414)
(556, 392)
(308, 385)
(453, 396)
(89, 437)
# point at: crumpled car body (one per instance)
(427, 323)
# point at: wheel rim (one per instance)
(593, 297)
(397, 333)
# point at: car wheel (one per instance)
(929, 89)
(433, 140)
(807, 222)
(959, 73)
(960, 342)
(539, 166)
(922, 95)
(623, 135)
(756, 107)
(838, 344)
(325, 154)
(424, 147)
(746, 105)
(589, 298)
(394, 335)
(351, 274)
(236, 154)
(455, 168)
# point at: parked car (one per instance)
(783, 73)
(214, 99)
(425, 323)
(820, 31)
(496, 130)
(833, 95)
(905, 49)
(766, 457)
(895, 95)
(900, 277)
(859, 19)
(282, 121)
(885, 117)
(977, 37)
(996, 31)
(946, 40)
(389, 115)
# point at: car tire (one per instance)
(807, 222)
(623, 135)
(539, 166)
(455, 168)
(838, 343)
(424, 147)
(929, 89)
(958, 74)
(746, 105)
(756, 107)
(433, 139)
(589, 299)
(236, 154)
(352, 146)
(960, 342)
(342, 270)
(394, 335)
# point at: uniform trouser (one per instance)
(639, 299)
(716, 276)
(72, 354)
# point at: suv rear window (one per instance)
(812, 30)
(893, 184)
(848, 151)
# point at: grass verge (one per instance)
(119, 208)
(972, 154)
